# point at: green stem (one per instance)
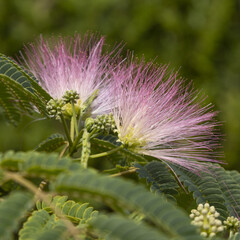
(75, 146)
(72, 129)
(66, 130)
(130, 170)
(92, 132)
(80, 118)
(106, 153)
(91, 135)
(231, 234)
(74, 118)
(79, 145)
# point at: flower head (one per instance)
(232, 223)
(206, 218)
(157, 116)
(71, 64)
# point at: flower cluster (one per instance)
(71, 64)
(102, 123)
(205, 217)
(153, 112)
(156, 115)
(232, 224)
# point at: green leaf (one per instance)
(42, 225)
(51, 144)
(31, 82)
(37, 164)
(7, 102)
(235, 175)
(76, 212)
(117, 227)
(120, 193)
(14, 99)
(19, 92)
(12, 210)
(205, 187)
(58, 232)
(159, 176)
(229, 185)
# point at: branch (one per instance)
(44, 197)
(130, 170)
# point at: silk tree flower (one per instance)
(157, 115)
(72, 64)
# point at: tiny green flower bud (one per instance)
(204, 211)
(206, 226)
(212, 235)
(203, 234)
(70, 96)
(206, 205)
(89, 123)
(54, 108)
(220, 229)
(218, 222)
(212, 209)
(214, 229)
(197, 219)
(200, 207)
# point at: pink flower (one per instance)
(65, 64)
(157, 115)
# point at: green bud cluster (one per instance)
(232, 224)
(103, 123)
(55, 107)
(70, 96)
(205, 217)
(86, 150)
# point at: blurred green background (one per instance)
(200, 38)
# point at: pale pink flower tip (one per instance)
(63, 64)
(157, 115)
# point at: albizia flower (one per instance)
(65, 64)
(157, 115)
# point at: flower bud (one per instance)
(55, 107)
(70, 96)
(232, 223)
(103, 123)
(205, 219)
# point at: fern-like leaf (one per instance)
(37, 164)
(159, 176)
(121, 193)
(205, 187)
(18, 96)
(51, 144)
(30, 81)
(42, 225)
(12, 210)
(76, 212)
(230, 189)
(116, 227)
